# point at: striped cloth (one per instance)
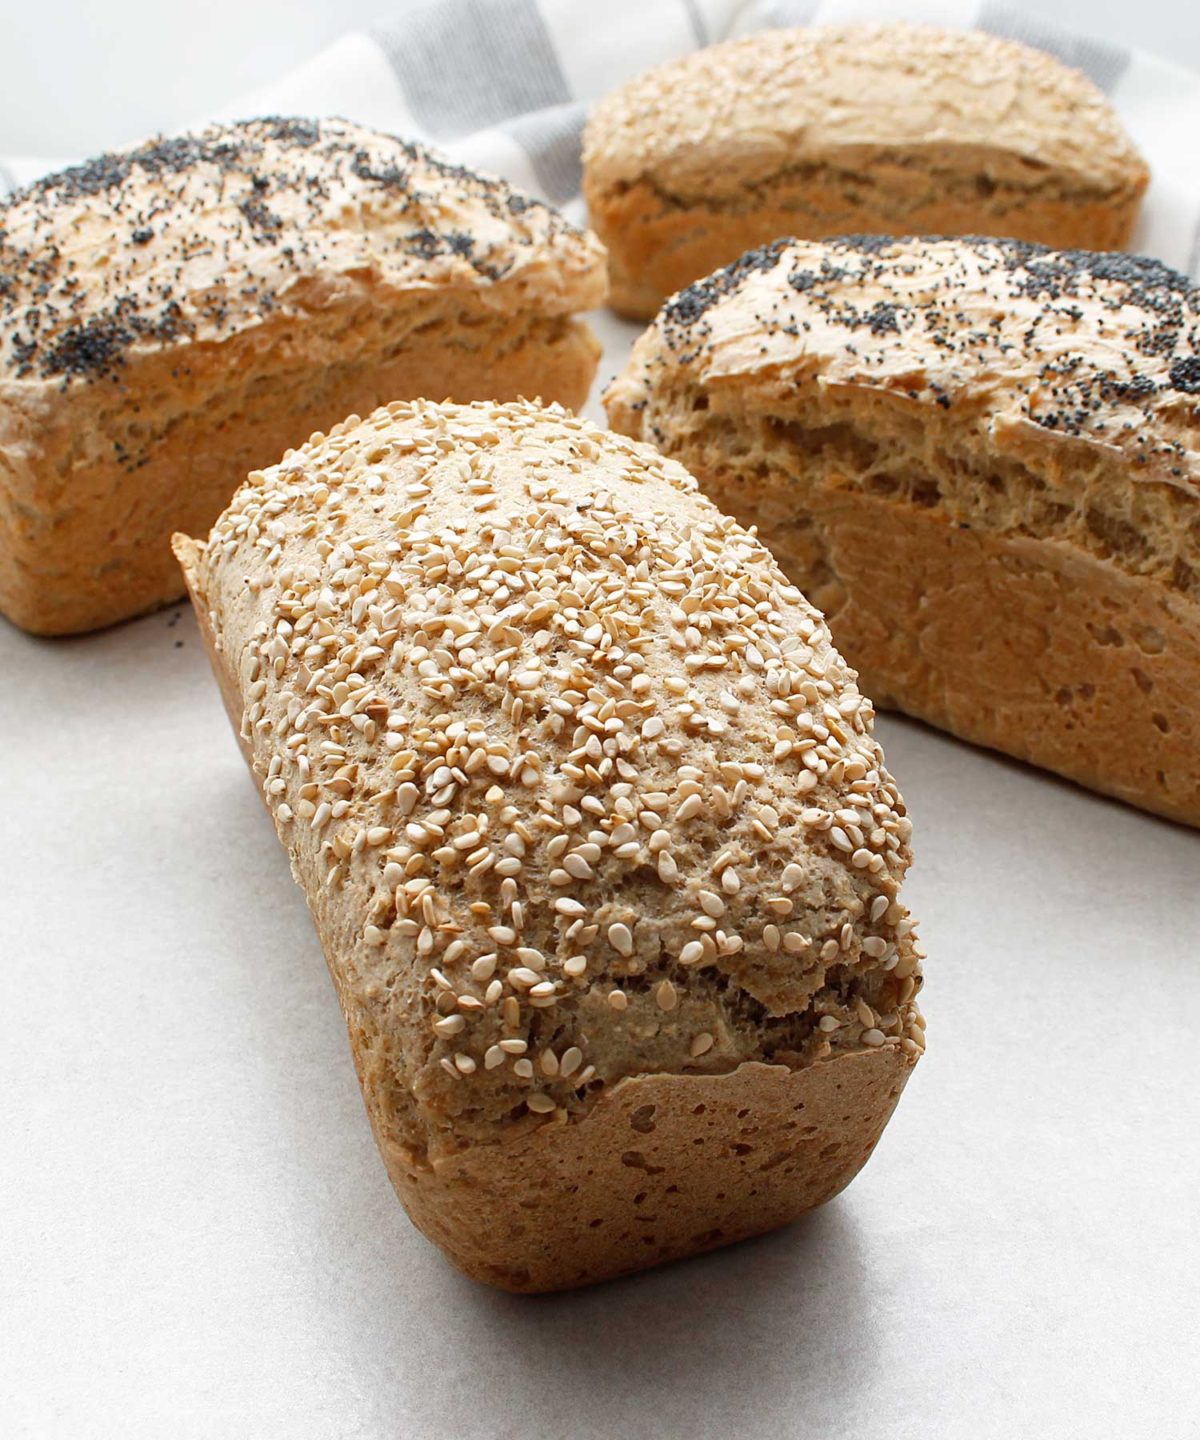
(503, 85)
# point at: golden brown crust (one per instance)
(172, 316)
(818, 131)
(979, 459)
(664, 1166)
(525, 950)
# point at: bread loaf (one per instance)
(175, 315)
(980, 459)
(592, 824)
(836, 130)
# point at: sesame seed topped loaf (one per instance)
(173, 316)
(834, 130)
(980, 458)
(593, 826)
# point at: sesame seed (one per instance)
(620, 938)
(666, 996)
(690, 808)
(711, 904)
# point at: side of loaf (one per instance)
(173, 316)
(980, 459)
(834, 130)
(591, 820)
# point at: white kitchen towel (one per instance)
(503, 85)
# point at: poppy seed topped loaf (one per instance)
(981, 459)
(836, 130)
(592, 824)
(173, 316)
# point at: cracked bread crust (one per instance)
(980, 459)
(592, 824)
(175, 315)
(818, 131)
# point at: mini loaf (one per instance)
(897, 129)
(980, 459)
(590, 818)
(173, 316)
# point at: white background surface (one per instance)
(197, 1238)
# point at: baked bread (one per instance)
(173, 316)
(590, 818)
(979, 458)
(836, 130)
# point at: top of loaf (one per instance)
(200, 236)
(575, 781)
(1098, 352)
(705, 126)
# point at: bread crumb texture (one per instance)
(577, 787)
(979, 457)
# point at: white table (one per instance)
(197, 1238)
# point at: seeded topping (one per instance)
(768, 104)
(1097, 348)
(202, 236)
(585, 769)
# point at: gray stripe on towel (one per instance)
(696, 21)
(789, 12)
(1104, 64)
(465, 65)
(551, 139)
